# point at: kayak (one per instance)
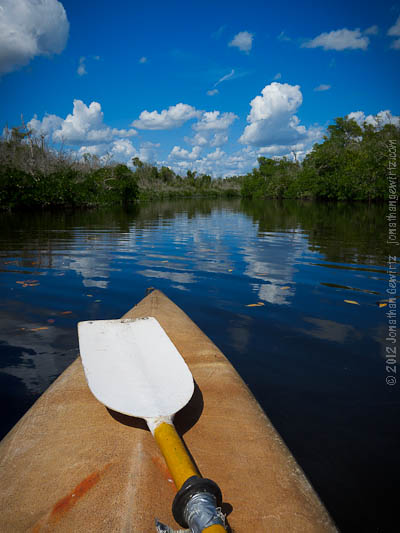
(72, 465)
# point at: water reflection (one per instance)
(309, 356)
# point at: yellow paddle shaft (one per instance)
(175, 454)
(178, 461)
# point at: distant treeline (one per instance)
(350, 164)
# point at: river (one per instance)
(312, 350)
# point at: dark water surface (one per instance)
(315, 363)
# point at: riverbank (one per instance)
(351, 164)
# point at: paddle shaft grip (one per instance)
(175, 454)
(187, 478)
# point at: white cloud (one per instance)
(200, 139)
(276, 99)
(170, 118)
(181, 153)
(143, 59)
(148, 151)
(212, 92)
(47, 125)
(206, 138)
(322, 87)
(343, 39)
(84, 126)
(277, 76)
(219, 139)
(242, 40)
(394, 30)
(30, 28)
(81, 71)
(214, 120)
(217, 163)
(372, 30)
(381, 118)
(123, 149)
(272, 119)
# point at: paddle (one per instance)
(132, 367)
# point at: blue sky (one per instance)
(207, 86)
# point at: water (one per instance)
(315, 363)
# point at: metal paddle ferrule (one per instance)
(133, 367)
(197, 505)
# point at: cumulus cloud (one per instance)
(148, 151)
(81, 71)
(173, 117)
(372, 30)
(380, 119)
(394, 31)
(207, 138)
(214, 120)
(47, 125)
(30, 28)
(272, 119)
(219, 139)
(212, 92)
(343, 39)
(242, 40)
(322, 87)
(218, 163)
(84, 126)
(181, 153)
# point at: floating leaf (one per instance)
(29, 283)
(66, 312)
(258, 304)
(50, 320)
(96, 301)
(382, 304)
(166, 261)
(89, 295)
(230, 270)
(351, 302)
(285, 287)
(39, 329)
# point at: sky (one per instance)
(208, 86)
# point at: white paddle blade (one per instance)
(132, 367)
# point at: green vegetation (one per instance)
(33, 175)
(350, 164)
